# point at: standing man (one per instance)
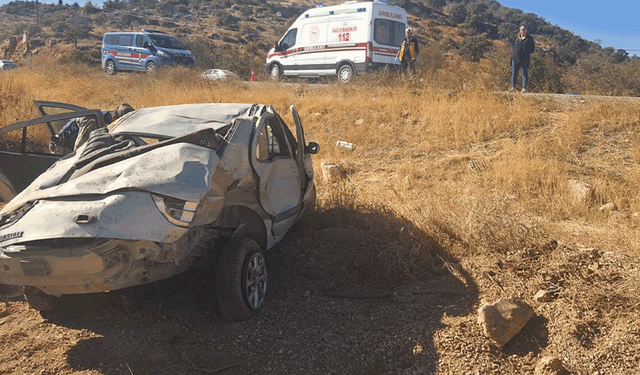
(408, 53)
(523, 46)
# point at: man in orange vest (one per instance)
(408, 53)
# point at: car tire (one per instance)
(150, 67)
(38, 300)
(345, 73)
(275, 72)
(110, 67)
(241, 279)
(7, 191)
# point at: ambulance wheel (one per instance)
(150, 67)
(110, 67)
(345, 73)
(275, 72)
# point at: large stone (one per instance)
(549, 366)
(331, 172)
(580, 191)
(502, 320)
(543, 296)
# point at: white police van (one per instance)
(144, 50)
(340, 40)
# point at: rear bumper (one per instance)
(104, 266)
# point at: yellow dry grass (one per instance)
(470, 170)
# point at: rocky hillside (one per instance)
(236, 35)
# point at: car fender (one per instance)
(247, 223)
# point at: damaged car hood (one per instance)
(181, 170)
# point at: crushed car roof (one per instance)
(173, 121)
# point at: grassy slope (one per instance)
(439, 179)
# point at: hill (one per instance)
(466, 38)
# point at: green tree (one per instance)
(458, 13)
(474, 48)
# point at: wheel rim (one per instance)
(151, 67)
(275, 72)
(345, 74)
(255, 281)
(110, 67)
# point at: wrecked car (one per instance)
(150, 193)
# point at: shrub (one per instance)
(474, 48)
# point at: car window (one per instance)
(388, 32)
(139, 41)
(110, 39)
(167, 41)
(125, 40)
(289, 40)
(36, 141)
(271, 142)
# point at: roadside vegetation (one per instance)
(442, 180)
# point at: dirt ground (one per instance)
(174, 327)
(592, 323)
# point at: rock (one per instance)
(607, 207)
(502, 320)
(580, 191)
(360, 121)
(549, 366)
(331, 172)
(542, 296)
(331, 234)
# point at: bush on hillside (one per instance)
(474, 48)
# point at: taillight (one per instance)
(369, 51)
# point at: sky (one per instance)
(614, 22)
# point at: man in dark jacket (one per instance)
(523, 46)
(408, 53)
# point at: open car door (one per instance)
(25, 152)
(273, 159)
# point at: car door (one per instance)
(274, 163)
(25, 152)
(289, 55)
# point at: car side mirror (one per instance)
(276, 47)
(312, 148)
(145, 45)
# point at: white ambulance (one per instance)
(340, 40)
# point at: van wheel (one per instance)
(275, 72)
(241, 279)
(110, 67)
(345, 73)
(150, 67)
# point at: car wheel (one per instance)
(275, 72)
(110, 67)
(7, 192)
(150, 67)
(38, 300)
(345, 73)
(241, 279)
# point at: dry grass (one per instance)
(470, 170)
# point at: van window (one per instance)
(139, 41)
(167, 41)
(110, 39)
(388, 32)
(125, 40)
(289, 40)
